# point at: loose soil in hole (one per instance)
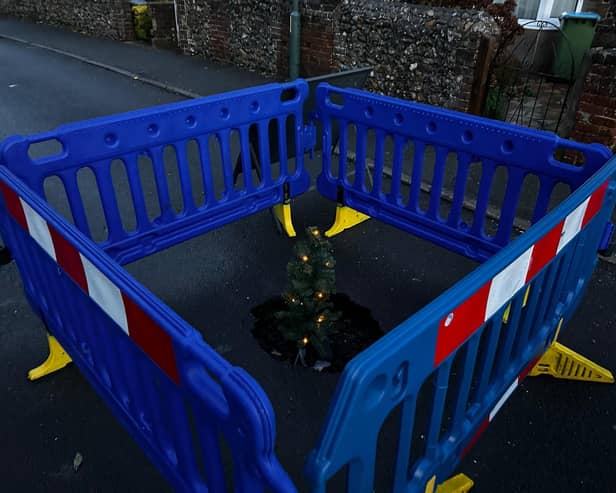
(357, 330)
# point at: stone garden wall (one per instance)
(105, 18)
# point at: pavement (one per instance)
(551, 436)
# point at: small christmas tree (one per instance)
(309, 319)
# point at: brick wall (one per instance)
(596, 115)
(105, 18)
(163, 24)
(595, 119)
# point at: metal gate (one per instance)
(526, 86)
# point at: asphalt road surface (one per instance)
(552, 436)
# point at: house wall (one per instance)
(105, 18)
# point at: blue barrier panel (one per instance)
(492, 326)
(189, 143)
(416, 128)
(173, 393)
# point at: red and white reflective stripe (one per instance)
(137, 324)
(497, 407)
(460, 324)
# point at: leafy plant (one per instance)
(309, 319)
(143, 22)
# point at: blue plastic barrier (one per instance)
(177, 396)
(494, 324)
(521, 151)
(162, 136)
(151, 367)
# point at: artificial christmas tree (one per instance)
(308, 317)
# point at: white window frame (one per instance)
(543, 15)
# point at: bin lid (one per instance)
(590, 16)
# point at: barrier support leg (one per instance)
(283, 215)
(460, 483)
(345, 218)
(58, 358)
(561, 362)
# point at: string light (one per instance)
(315, 232)
(328, 264)
(319, 295)
(305, 341)
(304, 258)
(321, 318)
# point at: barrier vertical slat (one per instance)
(396, 171)
(180, 148)
(75, 202)
(203, 142)
(483, 197)
(510, 328)
(224, 140)
(264, 153)
(182, 436)
(134, 182)
(342, 149)
(464, 163)
(379, 159)
(162, 187)
(546, 185)
(326, 142)
(436, 188)
(102, 173)
(361, 472)
(487, 362)
(403, 455)
(438, 406)
(282, 148)
(360, 157)
(246, 158)
(209, 444)
(470, 360)
(549, 289)
(418, 163)
(161, 434)
(510, 201)
(528, 316)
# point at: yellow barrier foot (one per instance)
(58, 358)
(460, 483)
(561, 362)
(345, 218)
(283, 214)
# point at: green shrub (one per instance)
(143, 22)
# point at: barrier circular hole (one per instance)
(507, 147)
(153, 129)
(191, 121)
(369, 112)
(398, 119)
(255, 107)
(111, 139)
(224, 113)
(467, 137)
(431, 127)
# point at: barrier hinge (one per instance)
(605, 246)
(309, 138)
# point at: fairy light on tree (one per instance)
(309, 318)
